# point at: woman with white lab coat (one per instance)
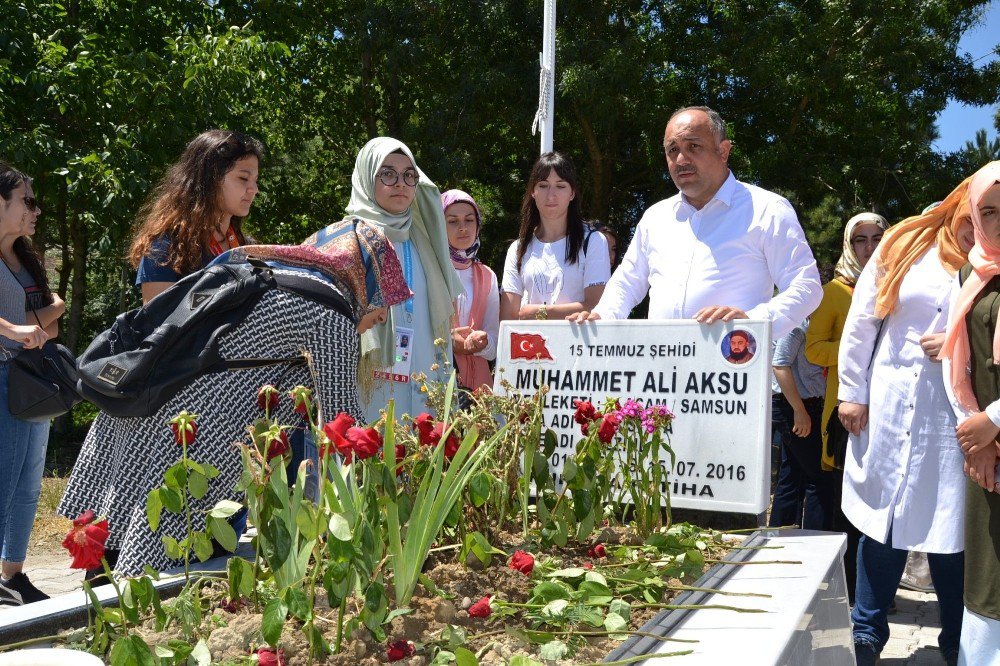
(904, 487)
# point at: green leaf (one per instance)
(569, 471)
(594, 593)
(175, 477)
(553, 651)
(396, 612)
(201, 654)
(172, 500)
(555, 609)
(154, 507)
(225, 509)
(465, 657)
(571, 572)
(241, 581)
(620, 607)
(197, 484)
(443, 658)
(131, 651)
(298, 604)
(613, 622)
(203, 546)
(273, 621)
(340, 528)
(550, 443)
(223, 532)
(163, 652)
(524, 660)
(171, 547)
(479, 489)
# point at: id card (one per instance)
(400, 371)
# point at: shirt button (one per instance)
(939, 309)
(907, 433)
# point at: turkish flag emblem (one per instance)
(530, 346)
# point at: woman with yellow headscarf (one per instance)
(903, 483)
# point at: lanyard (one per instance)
(231, 238)
(408, 274)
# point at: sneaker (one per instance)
(19, 590)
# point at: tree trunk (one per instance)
(598, 205)
(78, 285)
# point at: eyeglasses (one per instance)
(390, 177)
(31, 203)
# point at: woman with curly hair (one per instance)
(196, 212)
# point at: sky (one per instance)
(958, 123)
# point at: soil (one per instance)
(233, 635)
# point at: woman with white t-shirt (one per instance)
(558, 266)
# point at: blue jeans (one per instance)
(22, 462)
(802, 483)
(880, 567)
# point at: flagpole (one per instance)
(545, 115)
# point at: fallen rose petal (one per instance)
(481, 608)
(399, 650)
(268, 656)
(522, 561)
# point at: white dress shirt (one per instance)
(491, 317)
(733, 251)
(904, 472)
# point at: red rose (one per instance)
(268, 656)
(85, 541)
(301, 401)
(400, 456)
(609, 427)
(365, 442)
(267, 398)
(585, 428)
(278, 445)
(336, 432)
(522, 561)
(585, 412)
(424, 424)
(450, 445)
(190, 430)
(597, 550)
(399, 650)
(588, 565)
(481, 608)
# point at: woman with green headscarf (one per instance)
(390, 192)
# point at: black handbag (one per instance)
(42, 383)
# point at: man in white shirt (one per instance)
(716, 250)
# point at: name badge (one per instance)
(400, 371)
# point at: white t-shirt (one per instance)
(491, 323)
(545, 277)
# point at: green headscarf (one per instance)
(422, 223)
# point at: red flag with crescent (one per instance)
(530, 346)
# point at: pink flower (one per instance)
(522, 561)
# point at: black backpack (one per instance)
(149, 354)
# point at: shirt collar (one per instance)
(723, 195)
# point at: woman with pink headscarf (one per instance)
(477, 311)
(972, 371)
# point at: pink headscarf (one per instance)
(985, 260)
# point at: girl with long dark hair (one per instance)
(29, 315)
(196, 212)
(558, 266)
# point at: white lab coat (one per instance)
(904, 471)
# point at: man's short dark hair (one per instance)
(714, 119)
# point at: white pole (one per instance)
(545, 116)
